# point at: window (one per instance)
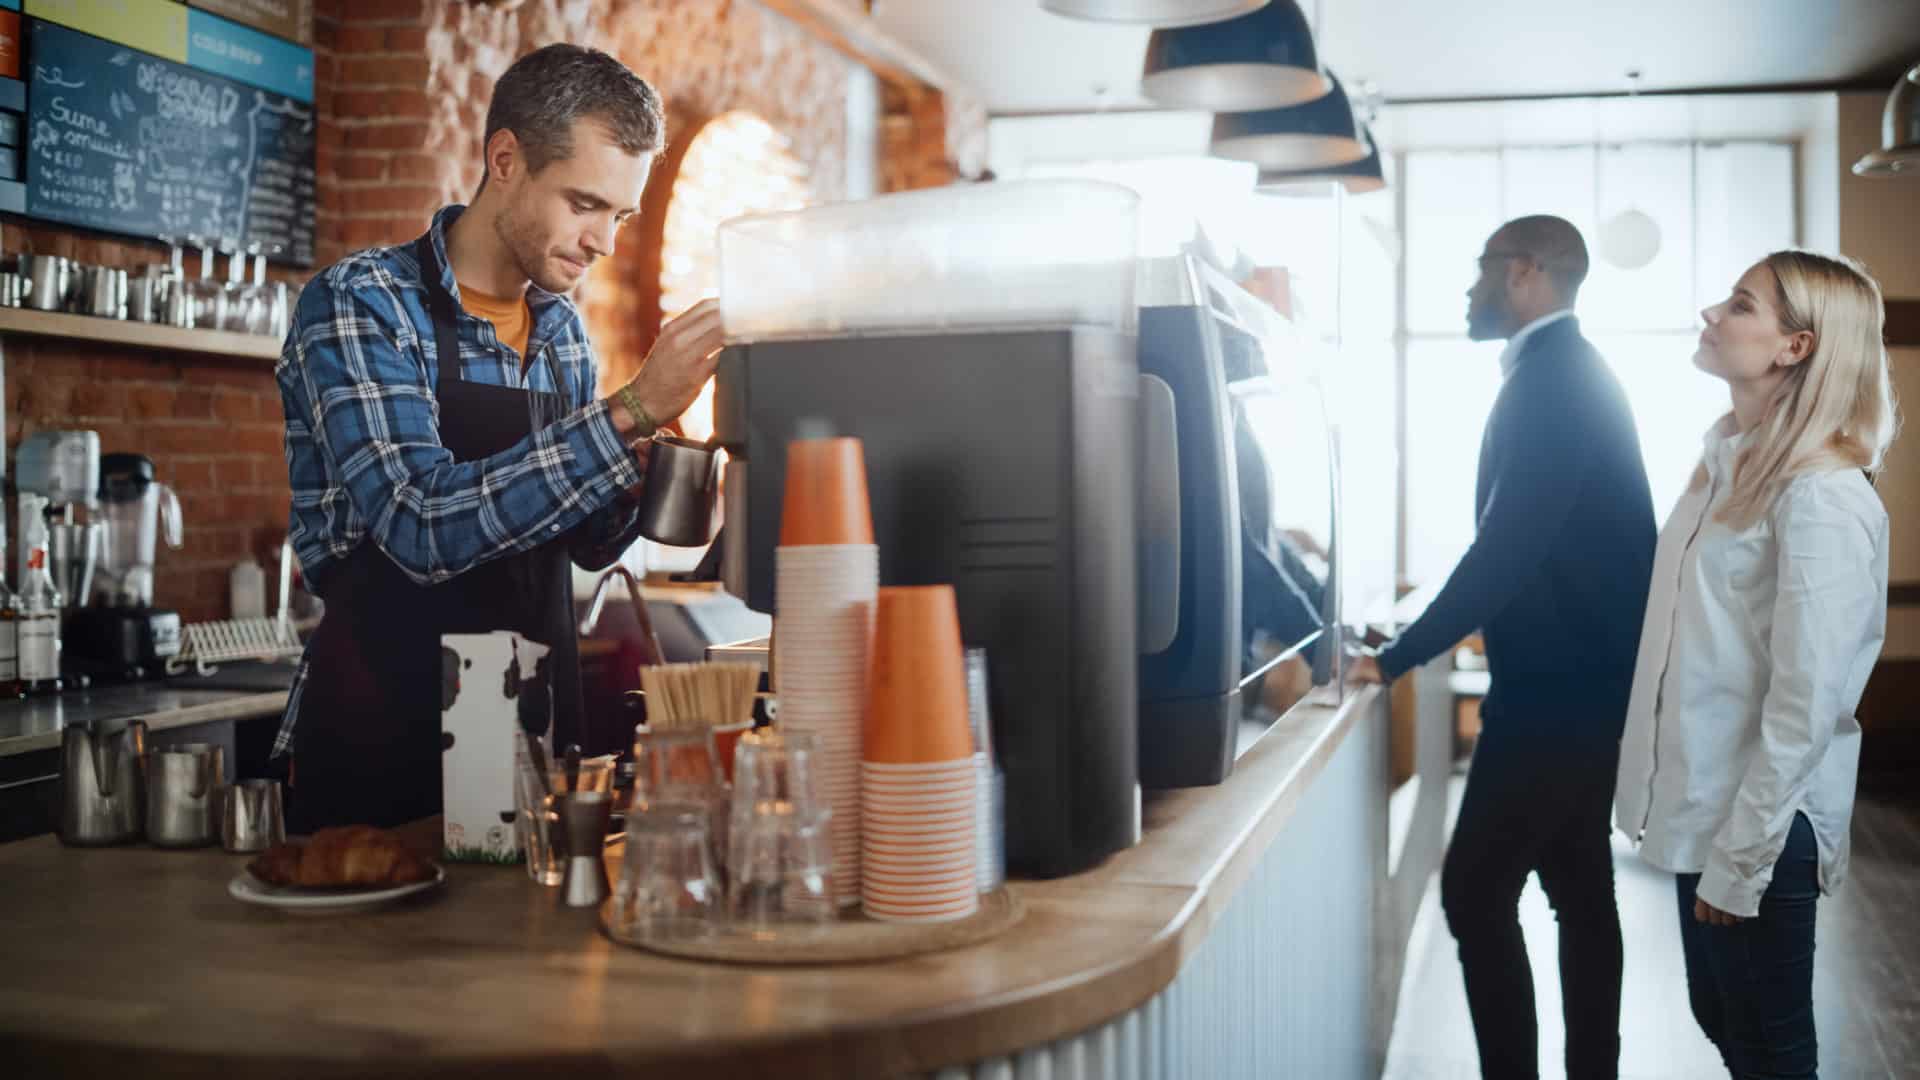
(1718, 207)
(737, 164)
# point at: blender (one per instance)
(120, 634)
(56, 473)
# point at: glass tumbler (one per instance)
(680, 767)
(537, 815)
(669, 888)
(780, 870)
(674, 766)
(773, 768)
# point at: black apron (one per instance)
(367, 742)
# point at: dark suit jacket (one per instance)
(1556, 579)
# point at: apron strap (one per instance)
(553, 574)
(446, 314)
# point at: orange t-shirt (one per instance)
(511, 318)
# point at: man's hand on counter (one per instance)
(680, 363)
(1365, 671)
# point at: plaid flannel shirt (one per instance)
(357, 377)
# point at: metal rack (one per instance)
(206, 645)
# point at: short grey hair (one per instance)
(545, 91)
(1555, 245)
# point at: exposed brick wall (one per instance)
(211, 425)
(401, 88)
(928, 139)
(414, 78)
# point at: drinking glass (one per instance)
(669, 889)
(681, 767)
(536, 823)
(773, 768)
(674, 766)
(537, 816)
(780, 870)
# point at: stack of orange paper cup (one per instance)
(918, 809)
(827, 573)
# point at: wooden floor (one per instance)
(1866, 969)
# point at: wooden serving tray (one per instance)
(853, 939)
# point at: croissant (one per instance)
(355, 855)
(278, 865)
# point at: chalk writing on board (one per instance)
(132, 143)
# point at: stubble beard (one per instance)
(526, 250)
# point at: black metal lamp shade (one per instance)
(1316, 135)
(1359, 177)
(1262, 60)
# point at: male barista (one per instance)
(448, 456)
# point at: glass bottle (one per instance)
(9, 640)
(39, 624)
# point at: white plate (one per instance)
(251, 890)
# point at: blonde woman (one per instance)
(1767, 610)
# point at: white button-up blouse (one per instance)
(1756, 647)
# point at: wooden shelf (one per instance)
(137, 334)
(857, 36)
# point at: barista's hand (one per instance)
(680, 363)
(1365, 671)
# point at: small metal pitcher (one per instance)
(251, 818)
(183, 794)
(47, 288)
(103, 789)
(681, 492)
(144, 297)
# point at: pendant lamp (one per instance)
(1630, 239)
(1261, 60)
(1152, 12)
(1319, 134)
(1899, 152)
(1359, 177)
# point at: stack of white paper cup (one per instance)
(827, 577)
(822, 636)
(919, 811)
(919, 841)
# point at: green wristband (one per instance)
(632, 401)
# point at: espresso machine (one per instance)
(117, 633)
(981, 343)
(1243, 523)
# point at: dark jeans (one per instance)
(1751, 984)
(1546, 810)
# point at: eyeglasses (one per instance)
(1491, 255)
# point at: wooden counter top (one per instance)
(137, 960)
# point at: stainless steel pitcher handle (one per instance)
(98, 747)
(202, 775)
(170, 516)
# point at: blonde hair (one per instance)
(1835, 409)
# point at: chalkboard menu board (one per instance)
(124, 141)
